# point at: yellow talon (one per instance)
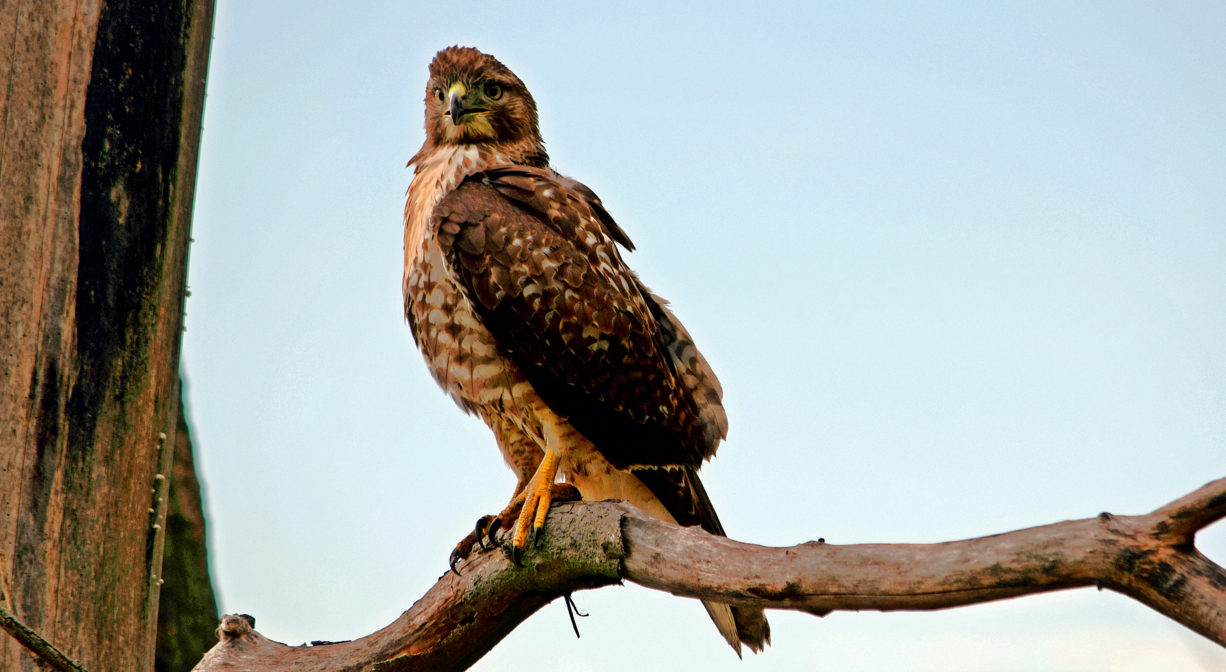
(542, 509)
(537, 498)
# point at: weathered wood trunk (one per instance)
(100, 109)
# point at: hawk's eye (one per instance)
(438, 93)
(493, 91)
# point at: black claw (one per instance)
(495, 524)
(479, 530)
(483, 530)
(516, 554)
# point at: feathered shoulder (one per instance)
(537, 253)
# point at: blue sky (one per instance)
(959, 266)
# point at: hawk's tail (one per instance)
(682, 494)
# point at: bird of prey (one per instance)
(526, 314)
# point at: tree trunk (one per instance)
(99, 127)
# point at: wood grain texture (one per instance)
(99, 124)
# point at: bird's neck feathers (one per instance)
(437, 169)
(529, 151)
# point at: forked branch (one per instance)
(1151, 558)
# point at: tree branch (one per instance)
(45, 651)
(1150, 558)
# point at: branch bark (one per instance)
(46, 652)
(1151, 558)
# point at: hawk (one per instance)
(528, 317)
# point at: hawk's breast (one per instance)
(461, 353)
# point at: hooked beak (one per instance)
(455, 103)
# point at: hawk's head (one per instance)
(471, 99)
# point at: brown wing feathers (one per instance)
(547, 280)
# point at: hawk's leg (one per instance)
(559, 439)
(537, 487)
(523, 453)
(488, 526)
(541, 492)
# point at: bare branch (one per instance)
(1183, 517)
(463, 615)
(42, 649)
(1149, 557)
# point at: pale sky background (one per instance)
(961, 268)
